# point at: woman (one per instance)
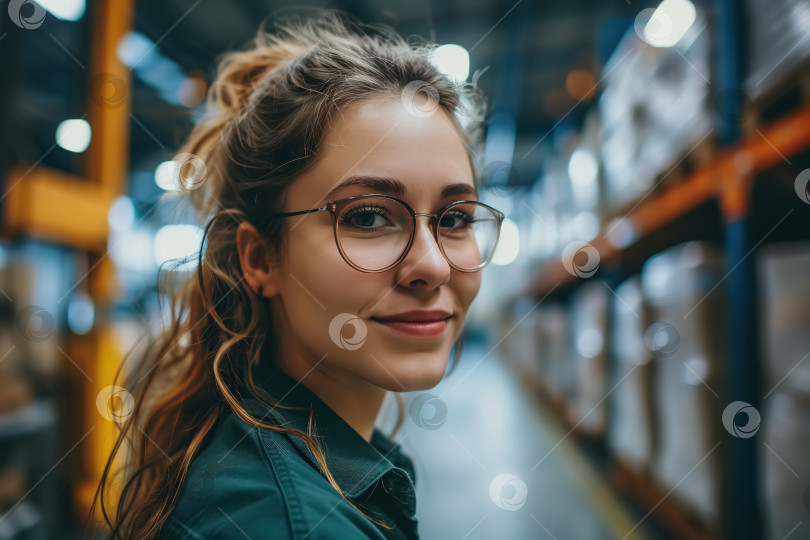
(335, 269)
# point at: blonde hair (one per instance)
(267, 111)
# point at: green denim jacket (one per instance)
(260, 484)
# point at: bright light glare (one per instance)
(131, 249)
(121, 215)
(452, 60)
(167, 176)
(582, 168)
(178, 242)
(586, 225)
(73, 135)
(150, 65)
(67, 10)
(669, 22)
(81, 313)
(508, 243)
(590, 342)
(132, 47)
(621, 232)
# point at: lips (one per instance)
(416, 316)
(417, 324)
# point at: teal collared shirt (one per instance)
(256, 483)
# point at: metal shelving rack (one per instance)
(727, 180)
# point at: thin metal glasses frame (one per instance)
(335, 208)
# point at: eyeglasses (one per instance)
(375, 232)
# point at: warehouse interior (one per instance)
(636, 361)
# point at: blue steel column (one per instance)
(743, 511)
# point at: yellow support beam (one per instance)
(109, 97)
(108, 104)
(57, 207)
(99, 354)
(72, 210)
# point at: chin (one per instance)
(422, 373)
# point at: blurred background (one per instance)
(637, 358)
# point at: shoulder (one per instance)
(253, 482)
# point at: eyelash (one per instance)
(379, 210)
(466, 218)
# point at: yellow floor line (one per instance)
(591, 484)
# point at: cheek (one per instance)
(317, 285)
(466, 287)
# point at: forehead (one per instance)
(379, 145)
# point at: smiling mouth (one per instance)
(424, 329)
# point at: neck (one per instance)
(358, 403)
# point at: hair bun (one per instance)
(241, 72)
(239, 75)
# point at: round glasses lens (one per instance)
(374, 231)
(468, 234)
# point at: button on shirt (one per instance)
(252, 482)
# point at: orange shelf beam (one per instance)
(728, 178)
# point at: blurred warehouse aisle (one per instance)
(491, 463)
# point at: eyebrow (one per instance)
(392, 186)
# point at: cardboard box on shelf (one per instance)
(785, 467)
(785, 303)
(778, 43)
(632, 427)
(686, 294)
(588, 323)
(656, 108)
(554, 346)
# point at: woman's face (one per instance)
(317, 292)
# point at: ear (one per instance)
(255, 261)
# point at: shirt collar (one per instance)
(355, 464)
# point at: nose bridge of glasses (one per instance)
(433, 219)
(433, 230)
(434, 240)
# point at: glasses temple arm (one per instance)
(288, 214)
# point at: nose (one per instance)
(425, 262)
